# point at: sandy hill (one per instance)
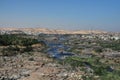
(52, 31)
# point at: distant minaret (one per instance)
(91, 30)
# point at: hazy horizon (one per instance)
(61, 14)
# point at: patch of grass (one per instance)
(99, 69)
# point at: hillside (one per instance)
(48, 31)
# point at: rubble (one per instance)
(21, 67)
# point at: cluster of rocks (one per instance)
(52, 71)
(12, 68)
(34, 67)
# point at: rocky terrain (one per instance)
(30, 62)
(48, 57)
(35, 67)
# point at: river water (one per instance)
(58, 51)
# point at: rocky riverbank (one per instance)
(35, 66)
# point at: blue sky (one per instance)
(61, 14)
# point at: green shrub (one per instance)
(10, 51)
(16, 40)
(28, 48)
(110, 76)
